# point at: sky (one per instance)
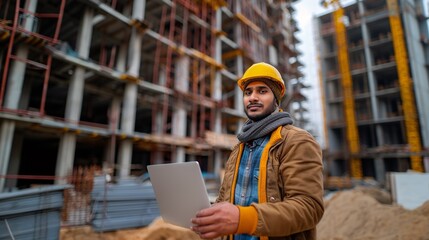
(305, 11)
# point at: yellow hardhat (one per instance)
(264, 71)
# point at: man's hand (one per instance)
(218, 220)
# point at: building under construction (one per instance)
(373, 56)
(124, 84)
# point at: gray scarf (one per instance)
(254, 130)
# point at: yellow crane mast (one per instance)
(406, 86)
(347, 85)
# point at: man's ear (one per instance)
(276, 103)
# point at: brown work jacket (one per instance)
(290, 187)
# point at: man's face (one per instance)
(259, 100)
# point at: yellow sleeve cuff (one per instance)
(248, 220)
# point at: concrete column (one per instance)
(130, 94)
(217, 88)
(181, 83)
(13, 95)
(418, 65)
(75, 96)
(109, 155)
(77, 82)
(238, 96)
(159, 123)
(16, 79)
(122, 58)
(380, 170)
(239, 67)
(217, 94)
(17, 72)
(65, 158)
(15, 159)
(125, 155)
(25, 95)
(371, 80)
(238, 93)
(73, 109)
(158, 156)
(139, 9)
(334, 168)
(127, 127)
(114, 115)
(7, 129)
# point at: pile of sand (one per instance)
(157, 230)
(361, 214)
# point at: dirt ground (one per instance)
(358, 214)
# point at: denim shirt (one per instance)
(246, 189)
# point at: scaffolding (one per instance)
(22, 27)
(405, 83)
(347, 87)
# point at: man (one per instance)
(272, 188)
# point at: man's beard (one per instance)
(264, 114)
